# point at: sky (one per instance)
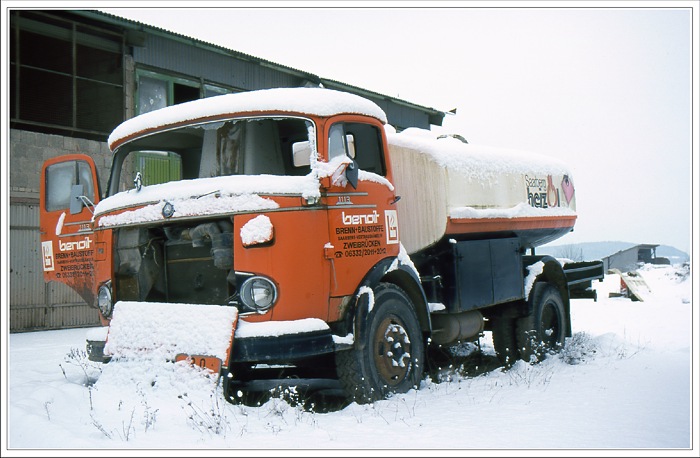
(622, 386)
(607, 90)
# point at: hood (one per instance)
(201, 197)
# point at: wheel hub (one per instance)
(392, 354)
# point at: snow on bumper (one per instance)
(161, 330)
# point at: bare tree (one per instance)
(571, 252)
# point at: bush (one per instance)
(578, 349)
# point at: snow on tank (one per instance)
(450, 188)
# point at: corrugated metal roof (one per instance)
(136, 25)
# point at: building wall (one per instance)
(173, 55)
(623, 260)
(34, 304)
(31, 149)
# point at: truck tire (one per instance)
(389, 356)
(235, 390)
(544, 330)
(504, 342)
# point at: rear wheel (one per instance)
(544, 330)
(504, 342)
(388, 356)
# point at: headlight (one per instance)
(258, 293)
(104, 299)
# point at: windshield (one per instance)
(251, 146)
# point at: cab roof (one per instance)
(298, 100)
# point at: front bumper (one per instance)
(264, 342)
(281, 342)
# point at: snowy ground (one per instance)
(622, 384)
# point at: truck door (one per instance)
(69, 192)
(363, 221)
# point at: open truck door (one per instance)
(69, 193)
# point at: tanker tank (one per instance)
(452, 189)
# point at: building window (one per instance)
(153, 94)
(157, 90)
(211, 90)
(65, 76)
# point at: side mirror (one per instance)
(76, 203)
(78, 200)
(352, 173)
(301, 154)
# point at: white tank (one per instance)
(449, 188)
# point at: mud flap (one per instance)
(163, 331)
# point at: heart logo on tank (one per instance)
(568, 187)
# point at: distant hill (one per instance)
(592, 251)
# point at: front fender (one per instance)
(400, 273)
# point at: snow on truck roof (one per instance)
(311, 101)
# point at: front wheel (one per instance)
(388, 355)
(544, 330)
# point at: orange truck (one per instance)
(295, 228)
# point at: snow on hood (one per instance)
(478, 161)
(312, 101)
(212, 204)
(204, 196)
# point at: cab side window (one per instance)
(361, 142)
(61, 177)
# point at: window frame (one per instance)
(75, 35)
(205, 88)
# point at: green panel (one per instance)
(157, 168)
